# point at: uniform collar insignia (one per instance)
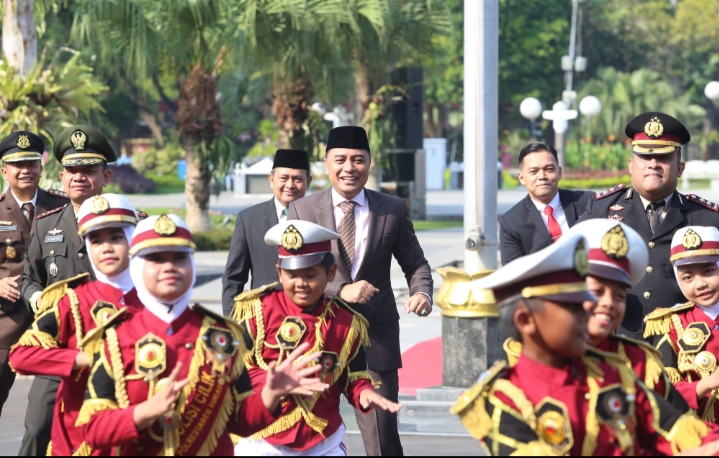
(616, 217)
(5, 223)
(55, 231)
(616, 208)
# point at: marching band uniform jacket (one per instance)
(50, 347)
(276, 326)
(138, 354)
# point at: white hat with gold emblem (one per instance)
(106, 210)
(555, 273)
(300, 243)
(616, 251)
(161, 233)
(695, 245)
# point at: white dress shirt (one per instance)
(558, 213)
(646, 203)
(361, 225)
(281, 211)
(19, 202)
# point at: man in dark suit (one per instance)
(21, 154)
(373, 228)
(653, 207)
(546, 213)
(57, 253)
(290, 179)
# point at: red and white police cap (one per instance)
(555, 273)
(106, 210)
(616, 251)
(161, 233)
(300, 243)
(695, 245)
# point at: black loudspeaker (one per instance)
(409, 111)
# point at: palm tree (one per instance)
(19, 34)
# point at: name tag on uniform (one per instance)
(8, 228)
(54, 238)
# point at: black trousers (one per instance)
(7, 377)
(38, 418)
(379, 428)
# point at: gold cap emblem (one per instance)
(292, 240)
(165, 226)
(691, 240)
(78, 139)
(654, 128)
(615, 243)
(581, 262)
(23, 141)
(99, 205)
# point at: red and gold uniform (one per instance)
(593, 406)
(51, 345)
(276, 326)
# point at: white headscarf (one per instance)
(121, 281)
(711, 310)
(167, 312)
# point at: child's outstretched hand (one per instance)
(161, 402)
(371, 399)
(291, 378)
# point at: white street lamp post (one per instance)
(531, 109)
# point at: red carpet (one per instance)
(422, 367)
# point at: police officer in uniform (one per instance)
(57, 253)
(653, 207)
(21, 153)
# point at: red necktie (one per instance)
(555, 230)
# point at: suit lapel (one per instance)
(69, 226)
(536, 219)
(326, 219)
(15, 212)
(673, 219)
(375, 230)
(570, 212)
(638, 215)
(270, 212)
(42, 205)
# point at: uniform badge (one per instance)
(102, 311)
(290, 333)
(654, 128)
(53, 269)
(616, 217)
(705, 363)
(554, 426)
(691, 240)
(704, 202)
(165, 226)
(292, 240)
(100, 205)
(613, 408)
(23, 141)
(223, 346)
(329, 362)
(150, 356)
(55, 231)
(10, 251)
(6, 226)
(581, 262)
(616, 208)
(78, 139)
(615, 243)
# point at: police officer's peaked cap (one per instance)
(656, 133)
(83, 145)
(22, 146)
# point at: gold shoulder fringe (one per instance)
(246, 301)
(687, 433)
(83, 450)
(674, 375)
(471, 405)
(658, 322)
(345, 305)
(51, 295)
(654, 368)
(354, 376)
(535, 448)
(91, 407)
(94, 340)
(513, 349)
(36, 338)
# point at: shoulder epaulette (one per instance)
(51, 295)
(341, 303)
(50, 212)
(703, 202)
(608, 192)
(229, 322)
(56, 193)
(658, 322)
(653, 366)
(92, 342)
(245, 302)
(360, 325)
(638, 343)
(471, 408)
(513, 349)
(142, 214)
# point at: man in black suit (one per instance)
(546, 213)
(289, 179)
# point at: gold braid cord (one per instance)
(91, 407)
(76, 316)
(535, 448)
(83, 450)
(118, 369)
(592, 422)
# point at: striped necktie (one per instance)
(347, 233)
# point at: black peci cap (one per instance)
(292, 159)
(351, 137)
(21, 146)
(82, 145)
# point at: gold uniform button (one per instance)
(652, 244)
(52, 252)
(81, 255)
(650, 269)
(647, 295)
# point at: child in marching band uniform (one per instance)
(687, 335)
(171, 379)
(73, 308)
(561, 397)
(280, 319)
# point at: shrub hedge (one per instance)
(215, 240)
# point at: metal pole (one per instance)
(572, 53)
(481, 105)
(561, 148)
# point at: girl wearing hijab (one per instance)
(73, 308)
(171, 379)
